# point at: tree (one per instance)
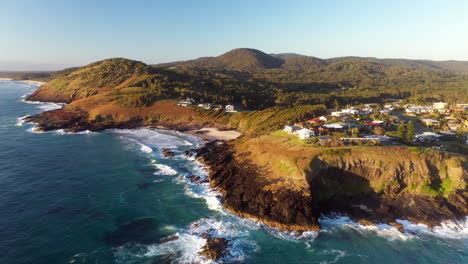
(336, 105)
(410, 132)
(401, 132)
(379, 130)
(460, 134)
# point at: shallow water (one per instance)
(112, 197)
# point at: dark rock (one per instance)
(167, 152)
(215, 247)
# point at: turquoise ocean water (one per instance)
(111, 197)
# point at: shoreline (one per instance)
(213, 133)
(32, 81)
(26, 81)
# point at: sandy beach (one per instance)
(211, 133)
(27, 81)
(36, 82)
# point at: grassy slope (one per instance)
(389, 170)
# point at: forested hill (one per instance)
(299, 79)
(254, 80)
(251, 60)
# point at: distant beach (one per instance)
(30, 81)
(211, 133)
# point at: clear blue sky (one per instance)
(39, 34)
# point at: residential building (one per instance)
(440, 105)
(305, 133)
(205, 106)
(430, 122)
(291, 129)
(229, 108)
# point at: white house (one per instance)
(440, 105)
(229, 108)
(184, 103)
(337, 113)
(304, 133)
(334, 126)
(205, 106)
(351, 111)
(291, 129)
(323, 118)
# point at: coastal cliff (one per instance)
(371, 185)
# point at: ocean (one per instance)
(112, 197)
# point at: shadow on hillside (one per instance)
(339, 190)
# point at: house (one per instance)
(316, 121)
(337, 113)
(427, 136)
(229, 108)
(205, 106)
(375, 123)
(217, 106)
(290, 129)
(440, 105)
(323, 118)
(334, 126)
(454, 124)
(184, 103)
(430, 122)
(305, 133)
(350, 111)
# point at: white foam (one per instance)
(190, 241)
(145, 148)
(447, 229)
(337, 253)
(185, 247)
(164, 170)
(20, 120)
(155, 138)
(45, 106)
(384, 230)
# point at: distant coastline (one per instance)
(27, 81)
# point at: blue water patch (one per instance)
(112, 197)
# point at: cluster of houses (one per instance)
(366, 110)
(191, 102)
(322, 128)
(444, 112)
(358, 121)
(439, 108)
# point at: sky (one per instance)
(53, 34)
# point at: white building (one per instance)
(440, 105)
(350, 111)
(323, 118)
(304, 133)
(337, 113)
(205, 106)
(291, 129)
(229, 108)
(184, 103)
